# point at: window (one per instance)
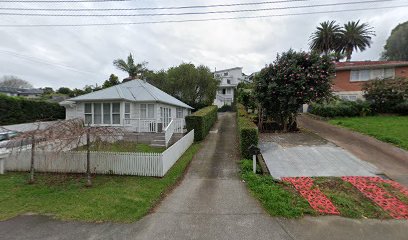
(146, 110)
(102, 113)
(115, 113)
(106, 113)
(88, 113)
(226, 74)
(179, 113)
(127, 110)
(228, 81)
(228, 90)
(97, 113)
(371, 74)
(349, 97)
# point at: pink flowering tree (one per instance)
(293, 79)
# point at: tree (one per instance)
(193, 85)
(129, 66)
(294, 79)
(48, 90)
(112, 81)
(64, 90)
(326, 38)
(355, 36)
(396, 47)
(14, 82)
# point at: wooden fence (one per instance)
(118, 163)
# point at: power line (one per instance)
(60, 1)
(151, 8)
(194, 13)
(204, 19)
(38, 60)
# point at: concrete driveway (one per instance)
(210, 203)
(305, 154)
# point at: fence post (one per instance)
(3, 155)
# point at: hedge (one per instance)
(202, 121)
(247, 130)
(341, 108)
(14, 110)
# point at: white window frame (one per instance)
(92, 115)
(363, 75)
(147, 111)
(179, 112)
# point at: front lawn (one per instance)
(123, 146)
(112, 198)
(392, 129)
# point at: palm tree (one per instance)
(355, 36)
(326, 38)
(129, 66)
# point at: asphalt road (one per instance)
(210, 203)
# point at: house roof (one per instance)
(223, 70)
(369, 64)
(135, 90)
(21, 90)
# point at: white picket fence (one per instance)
(129, 163)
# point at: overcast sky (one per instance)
(79, 56)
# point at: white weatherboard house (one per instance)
(136, 105)
(229, 81)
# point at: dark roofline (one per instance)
(223, 70)
(372, 66)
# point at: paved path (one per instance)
(389, 159)
(210, 203)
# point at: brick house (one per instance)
(351, 76)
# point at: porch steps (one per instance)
(158, 141)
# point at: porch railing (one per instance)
(140, 125)
(169, 131)
(179, 124)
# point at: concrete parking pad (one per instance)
(310, 157)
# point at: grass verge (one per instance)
(112, 198)
(278, 198)
(391, 129)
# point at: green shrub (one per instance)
(202, 121)
(341, 108)
(14, 110)
(226, 108)
(401, 108)
(385, 95)
(247, 130)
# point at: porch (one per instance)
(141, 125)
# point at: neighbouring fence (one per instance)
(129, 163)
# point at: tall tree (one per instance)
(326, 38)
(396, 47)
(129, 66)
(14, 82)
(355, 36)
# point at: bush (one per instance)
(401, 108)
(226, 108)
(14, 110)
(341, 108)
(247, 130)
(202, 121)
(385, 95)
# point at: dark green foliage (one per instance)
(202, 121)
(341, 109)
(247, 130)
(14, 110)
(294, 79)
(396, 47)
(401, 108)
(112, 81)
(194, 85)
(226, 108)
(385, 95)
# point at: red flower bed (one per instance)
(391, 204)
(317, 200)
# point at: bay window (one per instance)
(102, 113)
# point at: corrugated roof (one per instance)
(368, 64)
(135, 90)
